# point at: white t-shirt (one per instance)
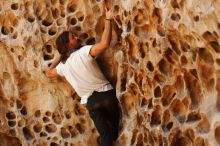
(83, 73)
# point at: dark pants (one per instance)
(105, 112)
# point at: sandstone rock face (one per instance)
(164, 62)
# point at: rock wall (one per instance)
(164, 62)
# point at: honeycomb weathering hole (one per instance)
(30, 18)
(156, 117)
(54, 144)
(80, 16)
(169, 125)
(78, 28)
(217, 134)
(37, 128)
(10, 115)
(20, 58)
(28, 134)
(68, 114)
(14, 6)
(215, 45)
(36, 64)
(139, 18)
(160, 31)
(64, 133)
(80, 128)
(57, 118)
(206, 55)
(12, 132)
(48, 113)
(51, 128)
(157, 92)
(158, 13)
(46, 119)
(129, 26)
(183, 60)
(11, 123)
(72, 8)
(73, 21)
(48, 57)
(37, 113)
(193, 116)
(24, 111)
(83, 36)
(218, 61)
(62, 2)
(5, 30)
(91, 41)
(52, 31)
(208, 36)
(43, 134)
(150, 66)
(196, 18)
(55, 13)
(164, 67)
(73, 131)
(175, 4)
(142, 31)
(47, 22)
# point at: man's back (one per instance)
(82, 72)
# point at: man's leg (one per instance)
(100, 119)
(102, 126)
(113, 112)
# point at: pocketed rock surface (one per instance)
(164, 61)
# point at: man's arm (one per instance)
(55, 62)
(98, 48)
(51, 72)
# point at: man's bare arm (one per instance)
(55, 62)
(51, 72)
(106, 37)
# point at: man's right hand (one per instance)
(109, 14)
(51, 73)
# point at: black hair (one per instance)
(61, 43)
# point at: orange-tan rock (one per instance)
(163, 60)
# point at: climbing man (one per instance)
(78, 65)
